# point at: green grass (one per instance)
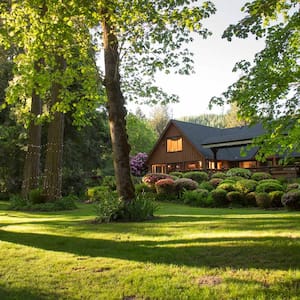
(185, 253)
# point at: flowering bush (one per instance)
(182, 184)
(138, 164)
(151, 178)
(164, 186)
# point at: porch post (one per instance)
(215, 150)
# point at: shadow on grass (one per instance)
(243, 252)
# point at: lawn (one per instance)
(185, 253)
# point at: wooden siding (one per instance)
(161, 156)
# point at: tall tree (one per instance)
(269, 89)
(159, 118)
(212, 120)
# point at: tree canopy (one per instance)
(268, 90)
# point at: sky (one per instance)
(214, 60)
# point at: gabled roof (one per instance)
(200, 135)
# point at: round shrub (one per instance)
(291, 200)
(219, 175)
(206, 186)
(227, 186)
(196, 176)
(246, 186)
(215, 182)
(239, 172)
(260, 176)
(250, 199)
(151, 178)
(177, 174)
(263, 200)
(275, 197)
(235, 178)
(219, 197)
(267, 187)
(270, 181)
(196, 197)
(293, 186)
(165, 186)
(235, 198)
(185, 184)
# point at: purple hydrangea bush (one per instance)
(138, 164)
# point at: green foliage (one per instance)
(221, 175)
(235, 198)
(227, 186)
(151, 178)
(239, 172)
(291, 200)
(197, 176)
(263, 200)
(109, 182)
(182, 184)
(293, 186)
(267, 92)
(35, 196)
(212, 120)
(97, 193)
(276, 181)
(206, 186)
(219, 197)
(268, 187)
(275, 197)
(215, 181)
(65, 203)
(246, 186)
(260, 176)
(177, 174)
(198, 197)
(250, 199)
(142, 188)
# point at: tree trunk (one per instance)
(54, 154)
(117, 113)
(32, 160)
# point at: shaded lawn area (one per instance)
(185, 253)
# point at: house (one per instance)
(186, 146)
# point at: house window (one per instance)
(174, 144)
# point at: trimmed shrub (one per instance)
(165, 186)
(215, 182)
(218, 175)
(206, 186)
(239, 172)
(291, 200)
(196, 176)
(267, 187)
(235, 198)
(151, 178)
(198, 197)
(293, 186)
(235, 178)
(182, 184)
(227, 186)
(263, 200)
(275, 197)
(246, 186)
(219, 197)
(260, 176)
(270, 181)
(177, 174)
(250, 199)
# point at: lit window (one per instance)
(174, 144)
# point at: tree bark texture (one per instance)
(117, 113)
(31, 174)
(54, 154)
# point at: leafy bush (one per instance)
(215, 182)
(142, 188)
(291, 200)
(185, 184)
(293, 186)
(260, 176)
(239, 172)
(263, 200)
(140, 209)
(97, 192)
(275, 197)
(206, 186)
(219, 197)
(235, 198)
(267, 187)
(219, 175)
(196, 176)
(64, 203)
(110, 182)
(235, 178)
(151, 178)
(35, 196)
(270, 181)
(177, 174)
(165, 186)
(198, 197)
(250, 199)
(227, 186)
(246, 186)
(138, 164)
